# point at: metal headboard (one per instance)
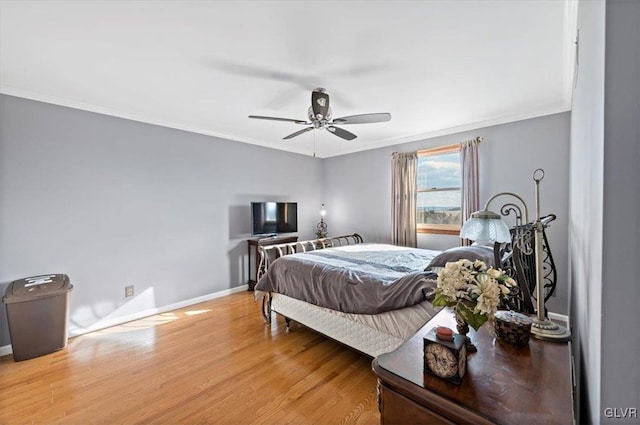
(269, 253)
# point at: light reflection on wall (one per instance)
(89, 318)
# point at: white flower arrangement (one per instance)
(471, 290)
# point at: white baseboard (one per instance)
(559, 317)
(6, 349)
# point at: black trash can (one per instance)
(38, 314)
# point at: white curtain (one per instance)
(470, 185)
(404, 193)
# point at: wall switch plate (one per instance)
(128, 291)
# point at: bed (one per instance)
(370, 297)
(291, 280)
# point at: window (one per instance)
(438, 207)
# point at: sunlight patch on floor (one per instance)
(196, 312)
(144, 323)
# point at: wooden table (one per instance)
(504, 383)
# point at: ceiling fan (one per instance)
(320, 117)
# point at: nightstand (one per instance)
(504, 383)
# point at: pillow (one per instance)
(471, 253)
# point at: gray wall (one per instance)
(357, 186)
(113, 202)
(621, 230)
(605, 200)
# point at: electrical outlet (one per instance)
(128, 291)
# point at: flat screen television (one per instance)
(272, 218)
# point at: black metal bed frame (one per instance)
(270, 252)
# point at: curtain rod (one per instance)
(477, 139)
(451, 146)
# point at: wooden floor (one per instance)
(215, 362)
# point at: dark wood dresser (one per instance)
(504, 383)
(254, 255)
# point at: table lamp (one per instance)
(321, 228)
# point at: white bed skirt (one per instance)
(370, 334)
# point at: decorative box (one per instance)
(512, 327)
(445, 358)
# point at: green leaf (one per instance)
(477, 320)
(441, 301)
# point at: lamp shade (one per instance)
(485, 226)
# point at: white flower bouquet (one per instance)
(472, 291)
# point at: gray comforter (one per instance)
(362, 279)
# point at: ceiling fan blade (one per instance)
(363, 118)
(259, 117)
(256, 71)
(297, 133)
(341, 133)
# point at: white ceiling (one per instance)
(437, 66)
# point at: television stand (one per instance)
(252, 245)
